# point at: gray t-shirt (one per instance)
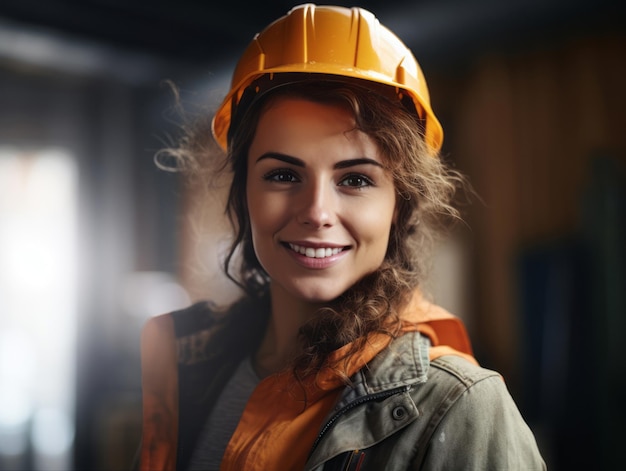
(224, 417)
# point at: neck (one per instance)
(280, 345)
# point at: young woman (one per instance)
(332, 360)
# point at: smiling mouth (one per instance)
(310, 252)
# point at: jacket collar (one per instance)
(403, 363)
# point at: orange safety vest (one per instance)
(161, 358)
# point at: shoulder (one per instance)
(157, 332)
(473, 393)
(456, 368)
(180, 322)
(164, 337)
(478, 417)
(199, 316)
(204, 331)
(452, 379)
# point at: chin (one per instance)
(319, 295)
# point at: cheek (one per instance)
(374, 223)
(385, 214)
(256, 208)
(267, 215)
(385, 227)
(258, 219)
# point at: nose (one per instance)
(315, 206)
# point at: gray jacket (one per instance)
(404, 412)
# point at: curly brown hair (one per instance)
(425, 187)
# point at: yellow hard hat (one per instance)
(335, 41)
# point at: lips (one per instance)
(315, 252)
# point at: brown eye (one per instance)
(356, 181)
(281, 176)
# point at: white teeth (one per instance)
(315, 253)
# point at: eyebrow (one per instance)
(300, 163)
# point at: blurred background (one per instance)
(94, 239)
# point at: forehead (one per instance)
(298, 124)
(295, 107)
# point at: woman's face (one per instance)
(320, 203)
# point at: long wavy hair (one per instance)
(425, 188)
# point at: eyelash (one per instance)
(276, 175)
(364, 180)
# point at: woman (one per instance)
(332, 359)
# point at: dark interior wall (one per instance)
(539, 132)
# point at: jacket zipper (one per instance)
(352, 405)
